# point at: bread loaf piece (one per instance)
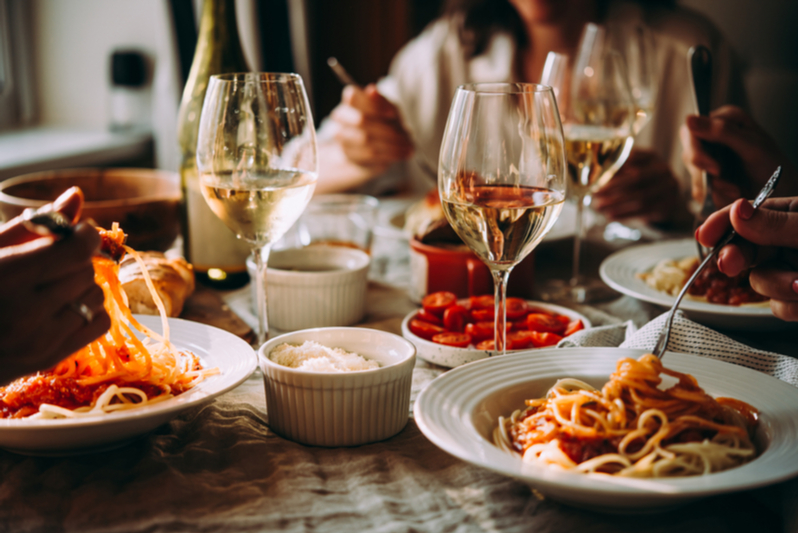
(173, 279)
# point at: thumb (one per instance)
(69, 204)
(767, 227)
(379, 104)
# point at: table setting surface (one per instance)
(219, 467)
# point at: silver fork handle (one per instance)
(663, 338)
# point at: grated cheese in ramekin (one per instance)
(311, 356)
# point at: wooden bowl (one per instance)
(145, 202)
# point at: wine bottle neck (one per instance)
(218, 44)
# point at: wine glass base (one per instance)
(582, 292)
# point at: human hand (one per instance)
(370, 130)
(738, 155)
(767, 240)
(43, 278)
(644, 187)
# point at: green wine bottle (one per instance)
(218, 257)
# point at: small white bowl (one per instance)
(448, 356)
(314, 287)
(340, 409)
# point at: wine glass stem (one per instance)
(576, 245)
(500, 283)
(261, 255)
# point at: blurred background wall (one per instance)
(70, 43)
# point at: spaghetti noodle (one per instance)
(117, 371)
(632, 427)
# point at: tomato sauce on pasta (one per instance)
(118, 371)
(632, 427)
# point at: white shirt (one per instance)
(425, 74)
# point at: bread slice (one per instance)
(173, 279)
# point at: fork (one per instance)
(663, 337)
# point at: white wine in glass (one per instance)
(257, 161)
(502, 176)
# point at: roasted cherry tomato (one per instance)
(423, 329)
(481, 302)
(544, 322)
(482, 314)
(455, 318)
(521, 339)
(425, 315)
(437, 303)
(573, 326)
(453, 339)
(486, 344)
(544, 339)
(515, 308)
(480, 331)
(522, 324)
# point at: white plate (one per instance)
(459, 410)
(216, 348)
(620, 269)
(447, 356)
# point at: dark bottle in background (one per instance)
(130, 95)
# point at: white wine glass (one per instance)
(502, 176)
(598, 113)
(257, 161)
(636, 44)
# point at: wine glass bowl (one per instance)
(636, 44)
(257, 160)
(502, 175)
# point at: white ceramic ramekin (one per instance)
(314, 287)
(340, 409)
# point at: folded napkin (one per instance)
(687, 337)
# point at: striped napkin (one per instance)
(686, 337)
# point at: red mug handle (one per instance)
(479, 278)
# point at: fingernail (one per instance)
(697, 234)
(745, 210)
(720, 264)
(794, 286)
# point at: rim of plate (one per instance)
(237, 364)
(445, 414)
(619, 271)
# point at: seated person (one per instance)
(768, 236)
(50, 305)
(402, 118)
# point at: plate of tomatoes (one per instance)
(448, 331)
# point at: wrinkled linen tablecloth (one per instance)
(220, 468)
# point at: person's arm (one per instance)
(45, 282)
(767, 240)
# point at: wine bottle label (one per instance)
(211, 243)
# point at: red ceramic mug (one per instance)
(457, 269)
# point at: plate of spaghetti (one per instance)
(656, 272)
(616, 430)
(139, 375)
